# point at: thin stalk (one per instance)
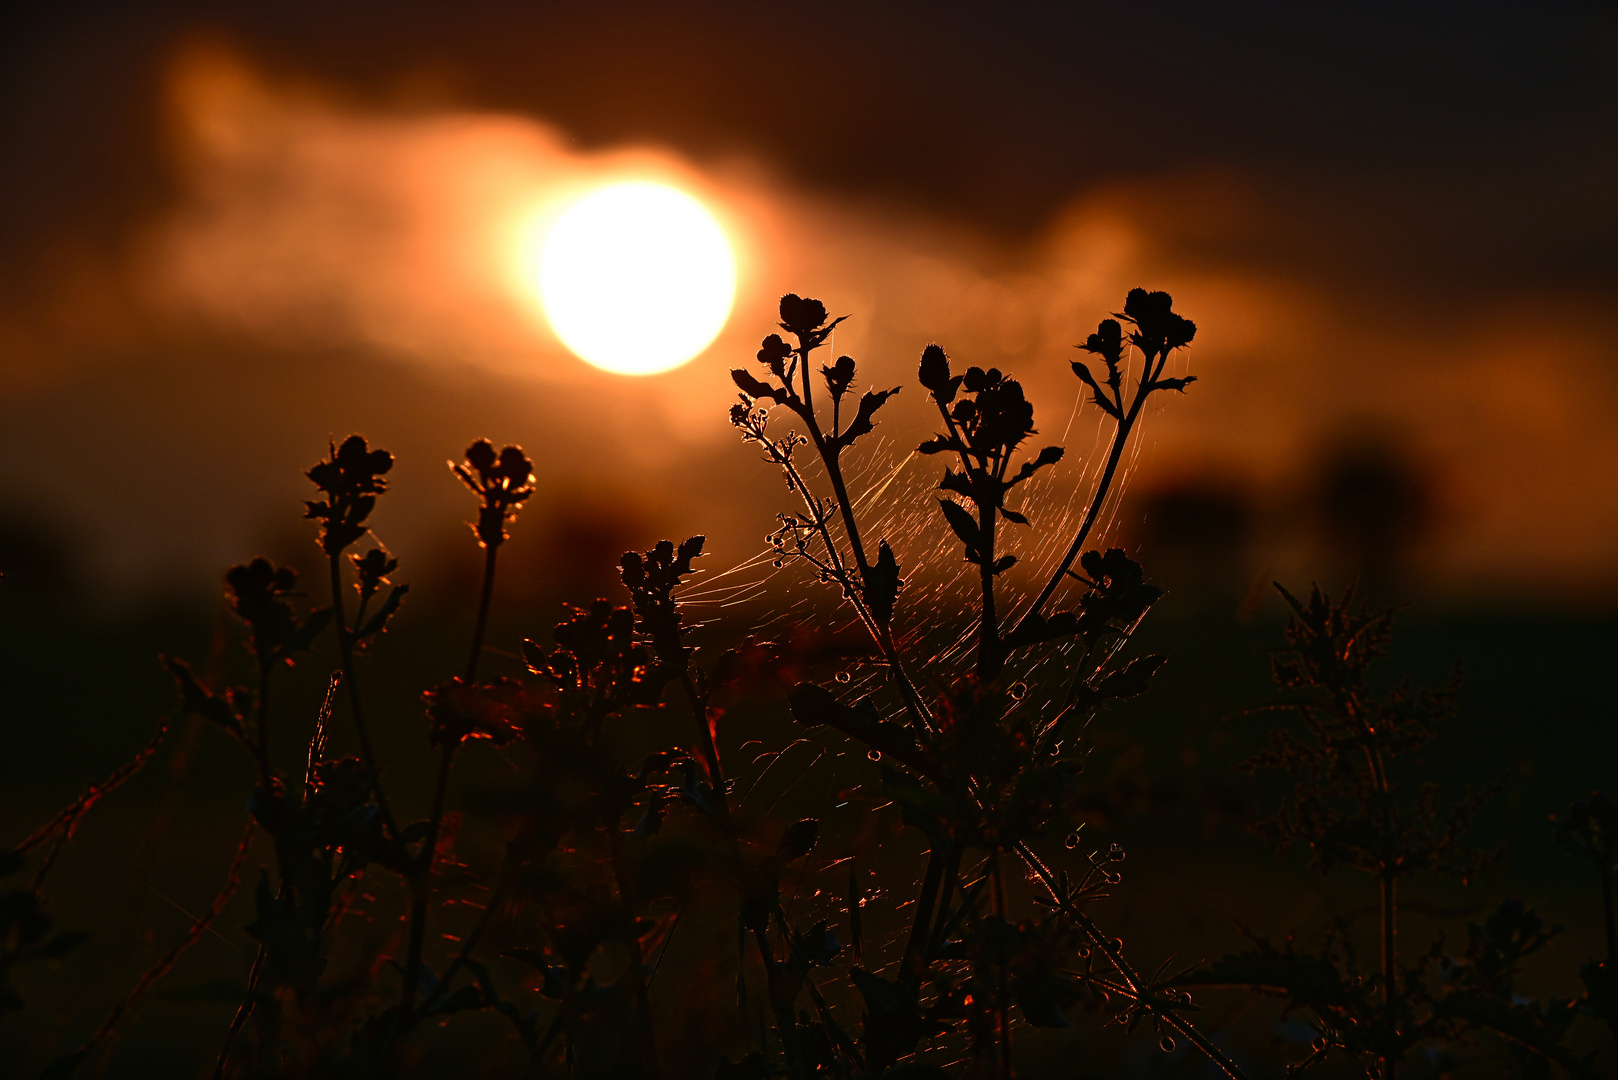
(243, 1011)
(421, 880)
(988, 664)
(1606, 911)
(1126, 424)
(421, 886)
(266, 776)
(345, 647)
(1119, 438)
(921, 717)
(952, 877)
(1390, 960)
(484, 600)
(637, 965)
(1001, 1003)
(1135, 987)
(916, 949)
(710, 751)
(1388, 882)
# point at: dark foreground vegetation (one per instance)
(522, 927)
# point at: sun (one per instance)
(635, 277)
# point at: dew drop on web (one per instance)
(874, 755)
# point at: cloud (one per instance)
(308, 223)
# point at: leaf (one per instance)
(197, 699)
(1012, 515)
(938, 444)
(1003, 563)
(870, 402)
(960, 519)
(1083, 372)
(377, 622)
(882, 586)
(755, 387)
(959, 483)
(893, 1020)
(1048, 456)
(1132, 679)
(1174, 384)
(303, 638)
(555, 974)
(1037, 628)
(813, 706)
(61, 944)
(798, 839)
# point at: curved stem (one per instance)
(1119, 438)
(1126, 424)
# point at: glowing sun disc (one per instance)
(635, 277)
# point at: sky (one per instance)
(231, 232)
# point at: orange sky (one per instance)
(326, 261)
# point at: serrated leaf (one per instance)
(939, 444)
(862, 424)
(755, 387)
(377, 622)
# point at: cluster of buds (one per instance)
(504, 481)
(351, 478)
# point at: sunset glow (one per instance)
(635, 278)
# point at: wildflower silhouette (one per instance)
(612, 819)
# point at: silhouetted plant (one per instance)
(606, 844)
(1348, 808)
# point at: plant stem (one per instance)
(1126, 424)
(421, 880)
(988, 627)
(345, 647)
(705, 739)
(266, 776)
(1002, 1015)
(243, 1011)
(921, 718)
(484, 600)
(1119, 438)
(1135, 986)
(916, 949)
(420, 887)
(1606, 911)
